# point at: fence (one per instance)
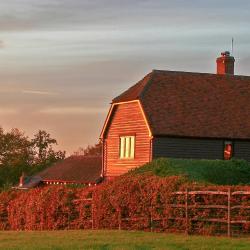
(88, 201)
(3, 216)
(225, 212)
(193, 204)
(229, 209)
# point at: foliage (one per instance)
(15, 148)
(136, 202)
(20, 154)
(43, 148)
(133, 201)
(95, 150)
(219, 172)
(52, 208)
(48, 208)
(133, 197)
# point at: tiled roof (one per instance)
(135, 91)
(194, 104)
(79, 169)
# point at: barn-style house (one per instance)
(181, 115)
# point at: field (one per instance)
(114, 240)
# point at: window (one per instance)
(127, 147)
(228, 150)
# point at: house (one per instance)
(72, 170)
(181, 115)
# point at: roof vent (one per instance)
(225, 64)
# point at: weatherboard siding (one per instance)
(241, 150)
(187, 148)
(126, 119)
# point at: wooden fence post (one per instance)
(68, 227)
(229, 233)
(186, 211)
(151, 219)
(119, 219)
(92, 212)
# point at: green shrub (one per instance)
(220, 172)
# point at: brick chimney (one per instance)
(225, 64)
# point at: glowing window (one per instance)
(228, 150)
(127, 147)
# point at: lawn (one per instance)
(119, 240)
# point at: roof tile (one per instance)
(80, 169)
(194, 104)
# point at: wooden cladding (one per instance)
(200, 148)
(241, 149)
(126, 121)
(187, 148)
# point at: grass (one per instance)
(127, 240)
(219, 172)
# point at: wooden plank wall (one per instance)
(127, 119)
(187, 148)
(241, 150)
(198, 148)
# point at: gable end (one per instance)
(111, 110)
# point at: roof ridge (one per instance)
(149, 82)
(137, 88)
(199, 73)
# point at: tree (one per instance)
(15, 156)
(20, 154)
(95, 150)
(15, 148)
(43, 148)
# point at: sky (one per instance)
(63, 61)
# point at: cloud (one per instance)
(38, 92)
(8, 111)
(73, 110)
(81, 14)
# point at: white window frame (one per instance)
(127, 147)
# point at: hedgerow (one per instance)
(141, 202)
(219, 172)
